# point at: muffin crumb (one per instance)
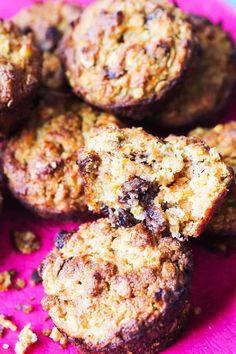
(5, 346)
(56, 336)
(26, 308)
(26, 339)
(19, 284)
(25, 242)
(7, 323)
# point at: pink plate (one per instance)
(213, 331)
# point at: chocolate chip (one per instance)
(111, 75)
(60, 239)
(26, 30)
(155, 219)
(89, 163)
(123, 219)
(165, 47)
(119, 17)
(52, 37)
(134, 188)
(35, 278)
(158, 294)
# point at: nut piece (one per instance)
(26, 339)
(25, 242)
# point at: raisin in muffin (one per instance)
(20, 74)
(124, 56)
(172, 185)
(223, 138)
(117, 290)
(40, 163)
(208, 87)
(49, 21)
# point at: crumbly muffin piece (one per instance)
(172, 184)
(126, 55)
(117, 290)
(207, 88)
(20, 71)
(223, 138)
(49, 21)
(40, 163)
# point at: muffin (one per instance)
(117, 290)
(20, 74)
(40, 163)
(223, 138)
(208, 87)
(125, 56)
(173, 185)
(49, 21)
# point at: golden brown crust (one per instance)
(124, 56)
(113, 289)
(40, 163)
(223, 138)
(173, 184)
(208, 86)
(49, 21)
(20, 72)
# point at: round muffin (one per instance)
(40, 163)
(173, 185)
(49, 21)
(208, 86)
(20, 73)
(223, 138)
(124, 56)
(117, 290)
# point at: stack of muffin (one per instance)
(120, 284)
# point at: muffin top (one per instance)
(123, 52)
(20, 65)
(208, 86)
(172, 184)
(40, 163)
(105, 286)
(49, 20)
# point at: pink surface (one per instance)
(214, 285)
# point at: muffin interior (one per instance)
(172, 184)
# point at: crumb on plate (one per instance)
(6, 322)
(26, 339)
(25, 242)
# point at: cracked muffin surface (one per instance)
(117, 290)
(49, 21)
(208, 86)
(20, 71)
(223, 138)
(172, 185)
(40, 163)
(124, 55)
